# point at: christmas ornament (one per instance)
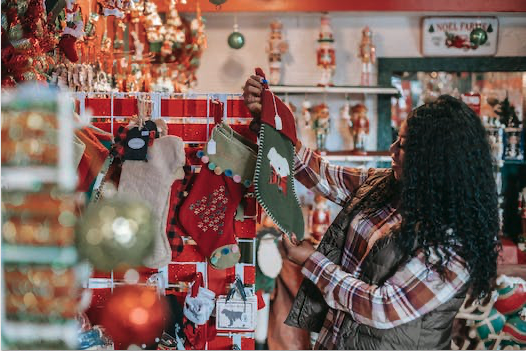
(116, 232)
(478, 36)
(218, 3)
(274, 179)
(326, 58)
(276, 47)
(512, 295)
(150, 183)
(27, 38)
(236, 40)
(368, 56)
(134, 315)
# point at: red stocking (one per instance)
(207, 215)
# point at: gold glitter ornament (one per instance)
(116, 233)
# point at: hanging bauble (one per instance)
(115, 234)
(217, 2)
(236, 40)
(478, 36)
(134, 315)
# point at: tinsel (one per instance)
(26, 40)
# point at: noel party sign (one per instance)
(459, 36)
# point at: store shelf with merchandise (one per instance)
(312, 89)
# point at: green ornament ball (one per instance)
(236, 40)
(217, 2)
(478, 36)
(115, 234)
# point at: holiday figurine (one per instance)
(522, 211)
(368, 56)
(321, 124)
(305, 111)
(345, 115)
(360, 124)
(319, 219)
(73, 30)
(326, 55)
(276, 47)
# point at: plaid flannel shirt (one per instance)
(411, 292)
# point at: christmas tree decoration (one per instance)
(367, 54)
(276, 47)
(326, 57)
(478, 36)
(134, 315)
(27, 38)
(116, 233)
(274, 178)
(218, 3)
(236, 40)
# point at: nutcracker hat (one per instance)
(274, 176)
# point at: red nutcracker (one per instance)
(360, 124)
(368, 56)
(326, 54)
(319, 219)
(276, 47)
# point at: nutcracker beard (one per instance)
(326, 76)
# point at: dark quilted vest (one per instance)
(431, 331)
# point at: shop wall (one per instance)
(225, 69)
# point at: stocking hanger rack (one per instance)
(191, 113)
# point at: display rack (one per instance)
(191, 117)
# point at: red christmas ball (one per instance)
(134, 315)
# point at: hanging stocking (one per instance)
(74, 30)
(151, 182)
(207, 215)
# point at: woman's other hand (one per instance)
(252, 98)
(297, 251)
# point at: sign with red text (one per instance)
(459, 36)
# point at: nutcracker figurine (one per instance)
(321, 124)
(326, 54)
(360, 124)
(522, 211)
(368, 57)
(319, 219)
(276, 47)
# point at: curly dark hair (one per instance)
(449, 195)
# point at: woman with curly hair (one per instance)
(410, 242)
